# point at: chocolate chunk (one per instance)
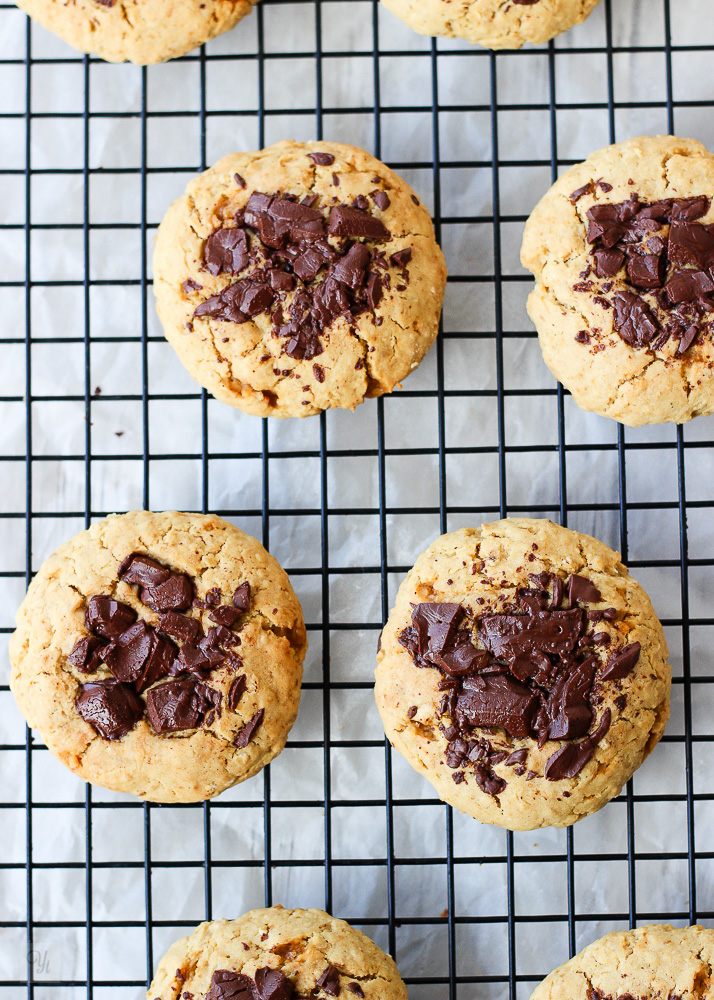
(497, 701)
(517, 757)
(687, 209)
(322, 159)
(108, 618)
(689, 286)
(227, 985)
(634, 320)
(688, 338)
(691, 243)
(127, 655)
(569, 760)
(356, 989)
(345, 221)
(609, 223)
(509, 635)
(180, 627)
(608, 262)
(402, 257)
(235, 692)
(329, 981)
(622, 662)
(240, 181)
(225, 615)
(175, 594)
(179, 705)
(580, 192)
(567, 706)
(381, 200)
(140, 569)
(351, 269)
(238, 302)
(85, 654)
(647, 270)
(581, 590)
(226, 251)
(487, 781)
(111, 708)
(411, 712)
(271, 984)
(244, 736)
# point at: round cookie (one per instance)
(493, 23)
(277, 954)
(298, 278)
(622, 249)
(160, 654)
(140, 31)
(523, 672)
(653, 961)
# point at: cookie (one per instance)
(493, 23)
(298, 278)
(622, 249)
(160, 654)
(277, 954)
(523, 672)
(140, 31)
(653, 961)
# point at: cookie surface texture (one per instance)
(622, 249)
(280, 954)
(295, 279)
(653, 961)
(493, 23)
(138, 31)
(160, 654)
(523, 672)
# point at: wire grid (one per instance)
(467, 911)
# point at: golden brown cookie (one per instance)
(298, 278)
(140, 31)
(497, 24)
(277, 954)
(622, 249)
(654, 961)
(160, 654)
(523, 672)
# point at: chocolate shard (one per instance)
(647, 270)
(345, 221)
(402, 257)
(127, 655)
(692, 244)
(350, 270)
(111, 708)
(497, 702)
(225, 615)
(226, 251)
(622, 662)
(228, 985)
(85, 654)
(569, 760)
(329, 981)
(108, 618)
(487, 781)
(179, 705)
(174, 594)
(381, 200)
(322, 159)
(687, 209)
(690, 286)
(180, 627)
(608, 263)
(634, 320)
(567, 707)
(582, 591)
(554, 633)
(356, 989)
(244, 736)
(241, 597)
(302, 222)
(272, 984)
(236, 691)
(141, 569)
(688, 338)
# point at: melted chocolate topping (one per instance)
(268, 984)
(534, 675)
(302, 263)
(139, 655)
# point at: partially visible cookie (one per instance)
(277, 954)
(140, 31)
(493, 23)
(622, 249)
(523, 672)
(160, 654)
(298, 278)
(654, 961)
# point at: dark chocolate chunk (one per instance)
(356, 989)
(127, 655)
(508, 635)
(622, 662)
(244, 736)
(497, 701)
(111, 708)
(487, 781)
(140, 569)
(381, 200)
(271, 984)
(227, 985)
(691, 243)
(634, 320)
(181, 627)
(235, 692)
(85, 654)
(226, 251)
(402, 257)
(567, 706)
(345, 221)
(647, 270)
(689, 286)
(608, 262)
(108, 618)
(225, 615)
(322, 159)
(582, 591)
(174, 594)
(569, 760)
(688, 338)
(178, 705)
(329, 981)
(580, 192)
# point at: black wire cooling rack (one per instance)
(467, 911)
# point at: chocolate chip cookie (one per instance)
(277, 954)
(140, 31)
(523, 672)
(622, 249)
(160, 654)
(493, 23)
(653, 961)
(298, 278)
